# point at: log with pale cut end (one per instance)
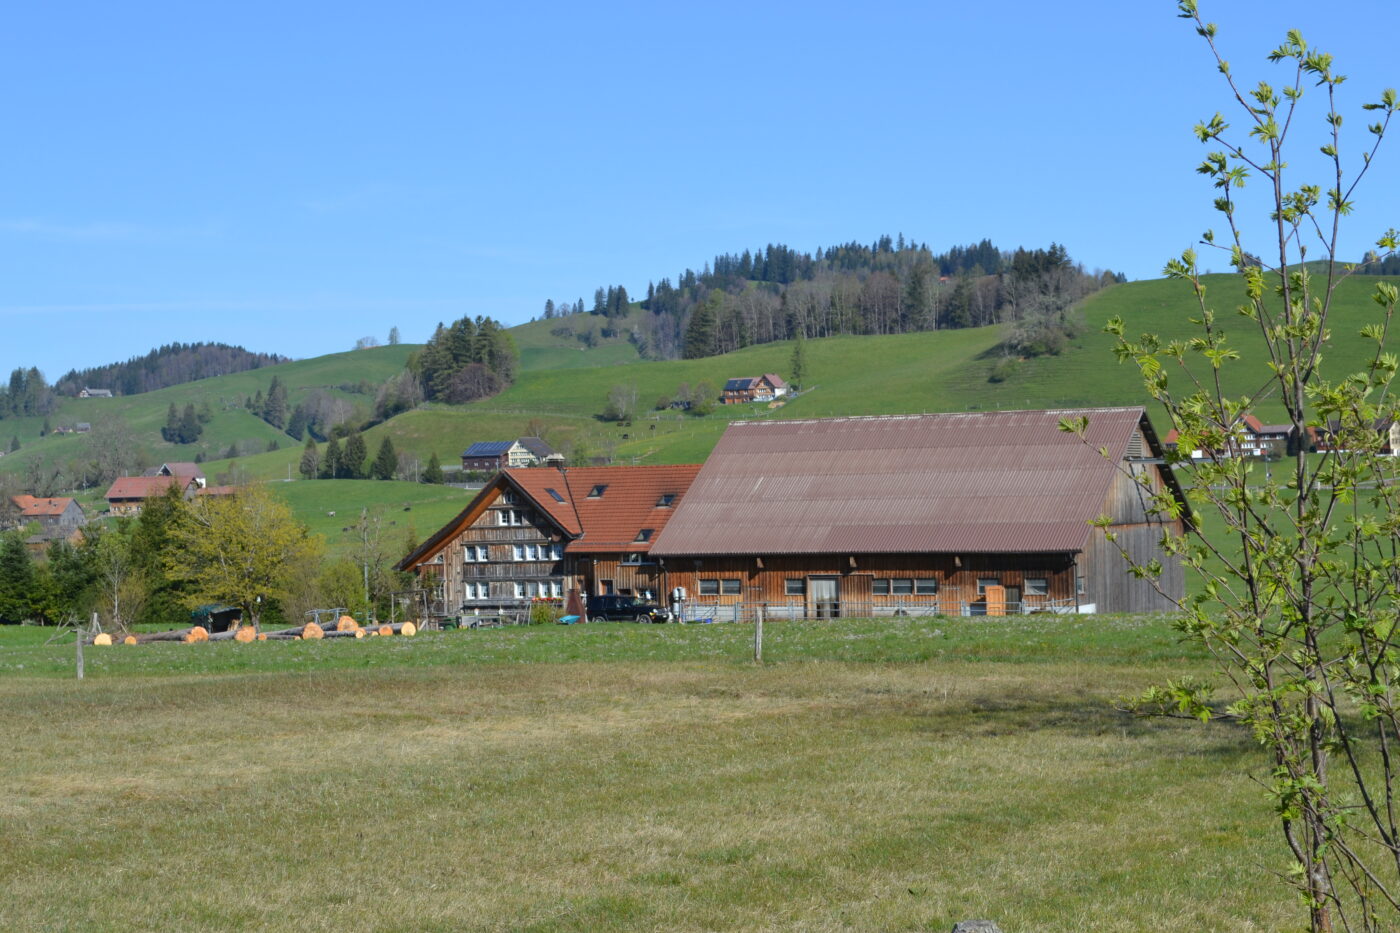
(359, 633)
(386, 630)
(408, 629)
(245, 634)
(197, 634)
(346, 624)
(262, 636)
(102, 638)
(129, 640)
(312, 630)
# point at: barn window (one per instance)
(796, 587)
(902, 587)
(880, 587)
(730, 587)
(984, 582)
(1079, 585)
(925, 587)
(1037, 586)
(709, 587)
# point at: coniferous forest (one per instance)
(172, 364)
(887, 287)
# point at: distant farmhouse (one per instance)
(94, 393)
(763, 388)
(489, 456)
(1251, 438)
(59, 519)
(962, 514)
(128, 494)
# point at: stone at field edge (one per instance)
(976, 926)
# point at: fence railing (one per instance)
(698, 611)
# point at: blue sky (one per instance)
(291, 177)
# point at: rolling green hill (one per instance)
(564, 385)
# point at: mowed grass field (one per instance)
(893, 775)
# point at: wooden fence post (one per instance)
(758, 638)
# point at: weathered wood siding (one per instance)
(500, 572)
(1109, 584)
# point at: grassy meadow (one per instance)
(899, 775)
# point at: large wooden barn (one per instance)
(959, 514)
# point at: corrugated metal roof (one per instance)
(958, 482)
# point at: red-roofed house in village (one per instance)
(967, 513)
(128, 494)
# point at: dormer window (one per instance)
(510, 498)
(644, 534)
(666, 499)
(597, 491)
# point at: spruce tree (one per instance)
(190, 428)
(274, 410)
(14, 443)
(433, 473)
(799, 361)
(330, 463)
(352, 458)
(171, 432)
(386, 462)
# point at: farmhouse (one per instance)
(95, 393)
(51, 513)
(533, 534)
(128, 494)
(965, 514)
(183, 469)
(763, 388)
(501, 455)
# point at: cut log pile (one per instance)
(345, 627)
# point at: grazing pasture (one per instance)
(893, 775)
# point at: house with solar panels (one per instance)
(972, 513)
(489, 456)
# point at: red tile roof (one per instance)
(614, 520)
(143, 487)
(31, 507)
(975, 482)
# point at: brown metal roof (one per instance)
(945, 483)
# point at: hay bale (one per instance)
(312, 630)
(102, 638)
(129, 640)
(408, 630)
(245, 634)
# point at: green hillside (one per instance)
(564, 385)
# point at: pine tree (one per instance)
(700, 332)
(330, 463)
(433, 473)
(16, 579)
(799, 361)
(14, 443)
(274, 410)
(386, 462)
(296, 425)
(352, 458)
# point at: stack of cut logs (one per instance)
(345, 627)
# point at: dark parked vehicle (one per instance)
(626, 609)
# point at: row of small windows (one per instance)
(541, 589)
(892, 586)
(481, 553)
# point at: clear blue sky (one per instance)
(292, 176)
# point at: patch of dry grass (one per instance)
(626, 795)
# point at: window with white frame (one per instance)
(518, 590)
(925, 587)
(1037, 586)
(880, 587)
(709, 587)
(476, 553)
(556, 552)
(509, 497)
(632, 559)
(511, 516)
(795, 587)
(556, 589)
(476, 591)
(517, 551)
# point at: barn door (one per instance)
(824, 594)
